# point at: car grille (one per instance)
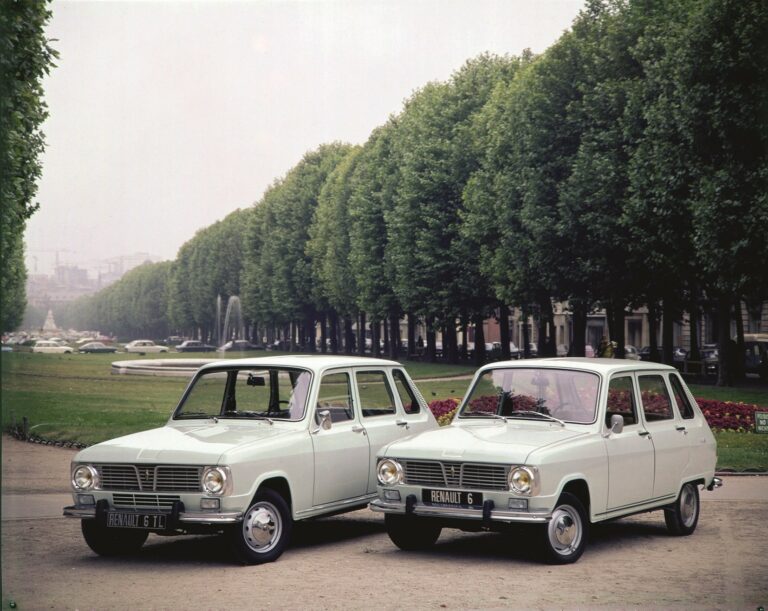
(144, 501)
(150, 478)
(455, 475)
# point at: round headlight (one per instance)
(389, 472)
(214, 480)
(521, 480)
(85, 477)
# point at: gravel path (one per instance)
(349, 562)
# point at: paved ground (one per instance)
(348, 561)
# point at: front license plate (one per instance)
(149, 521)
(452, 498)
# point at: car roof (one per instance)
(314, 363)
(602, 366)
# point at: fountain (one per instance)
(233, 320)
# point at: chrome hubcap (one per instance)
(564, 530)
(262, 527)
(688, 505)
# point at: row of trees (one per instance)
(625, 166)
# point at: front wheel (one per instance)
(112, 541)
(265, 530)
(410, 533)
(683, 515)
(565, 535)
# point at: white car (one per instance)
(254, 445)
(144, 346)
(50, 347)
(558, 444)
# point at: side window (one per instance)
(334, 395)
(375, 394)
(657, 404)
(621, 401)
(681, 398)
(407, 396)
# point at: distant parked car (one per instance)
(50, 347)
(678, 354)
(631, 353)
(93, 347)
(144, 346)
(194, 345)
(239, 345)
(756, 354)
(7, 348)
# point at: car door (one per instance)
(667, 432)
(630, 453)
(382, 415)
(342, 451)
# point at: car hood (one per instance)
(493, 441)
(199, 443)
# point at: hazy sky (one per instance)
(166, 116)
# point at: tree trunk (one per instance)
(667, 334)
(394, 335)
(349, 336)
(504, 332)
(694, 354)
(526, 333)
(385, 335)
(375, 338)
(578, 345)
(431, 348)
(738, 373)
(725, 349)
(619, 336)
(361, 334)
(653, 321)
(333, 320)
(323, 333)
(411, 334)
(480, 355)
(450, 343)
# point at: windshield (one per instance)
(568, 395)
(274, 393)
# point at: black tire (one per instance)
(683, 515)
(411, 533)
(565, 535)
(265, 530)
(112, 541)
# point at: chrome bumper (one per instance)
(716, 483)
(75, 511)
(461, 513)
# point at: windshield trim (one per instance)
(476, 380)
(175, 417)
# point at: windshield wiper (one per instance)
(195, 415)
(485, 415)
(528, 412)
(247, 414)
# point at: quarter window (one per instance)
(407, 396)
(657, 404)
(683, 404)
(375, 394)
(621, 401)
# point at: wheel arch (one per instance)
(578, 487)
(278, 484)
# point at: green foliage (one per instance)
(25, 58)
(278, 270)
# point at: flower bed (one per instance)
(721, 415)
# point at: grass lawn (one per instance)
(75, 397)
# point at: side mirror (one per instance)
(617, 423)
(324, 419)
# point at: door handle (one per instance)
(359, 429)
(681, 429)
(402, 423)
(644, 433)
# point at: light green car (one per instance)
(558, 444)
(254, 445)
